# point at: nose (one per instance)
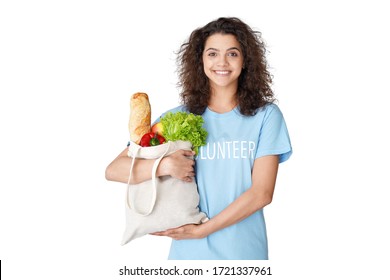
(222, 61)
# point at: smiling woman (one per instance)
(223, 62)
(233, 43)
(224, 77)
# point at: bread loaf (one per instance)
(140, 116)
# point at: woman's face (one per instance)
(222, 60)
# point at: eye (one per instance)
(212, 54)
(234, 54)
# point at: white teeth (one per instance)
(222, 72)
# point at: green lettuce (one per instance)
(186, 127)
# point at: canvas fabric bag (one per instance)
(162, 202)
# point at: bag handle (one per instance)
(154, 181)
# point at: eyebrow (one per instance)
(229, 49)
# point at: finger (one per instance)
(167, 231)
(188, 153)
(177, 236)
(159, 233)
(187, 179)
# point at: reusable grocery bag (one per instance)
(162, 202)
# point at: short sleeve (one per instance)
(274, 138)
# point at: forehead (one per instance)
(222, 41)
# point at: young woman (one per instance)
(224, 77)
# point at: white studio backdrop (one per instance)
(67, 71)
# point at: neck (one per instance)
(222, 103)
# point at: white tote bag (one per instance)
(162, 202)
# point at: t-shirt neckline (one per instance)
(230, 113)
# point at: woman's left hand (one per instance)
(190, 231)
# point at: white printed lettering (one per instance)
(244, 149)
(227, 150)
(221, 152)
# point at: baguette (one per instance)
(140, 116)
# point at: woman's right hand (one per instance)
(179, 165)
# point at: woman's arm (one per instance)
(177, 165)
(259, 195)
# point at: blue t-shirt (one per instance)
(224, 172)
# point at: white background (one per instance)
(67, 71)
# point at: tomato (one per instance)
(151, 139)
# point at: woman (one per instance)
(224, 77)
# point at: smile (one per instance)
(222, 72)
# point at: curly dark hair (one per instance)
(254, 84)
